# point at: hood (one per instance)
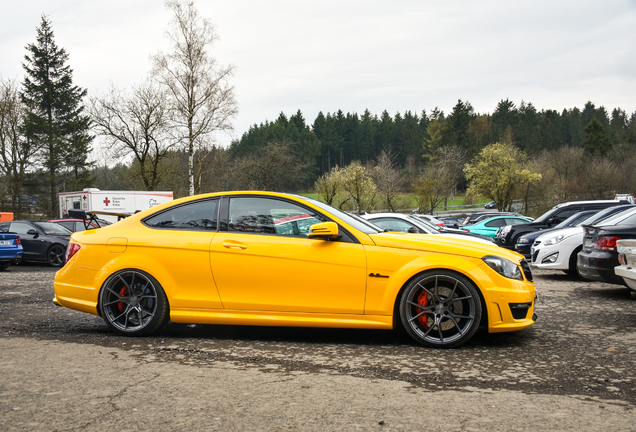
(567, 232)
(443, 243)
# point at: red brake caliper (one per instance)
(121, 305)
(422, 300)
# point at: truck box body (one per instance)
(112, 201)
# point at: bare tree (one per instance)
(201, 98)
(390, 182)
(16, 151)
(136, 125)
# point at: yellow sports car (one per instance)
(262, 258)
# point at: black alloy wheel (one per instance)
(133, 303)
(55, 255)
(440, 309)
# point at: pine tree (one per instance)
(54, 119)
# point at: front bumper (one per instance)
(523, 249)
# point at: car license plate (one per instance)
(587, 242)
(631, 260)
(5, 242)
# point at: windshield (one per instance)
(545, 216)
(575, 219)
(615, 218)
(354, 220)
(51, 228)
(419, 221)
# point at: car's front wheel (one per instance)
(440, 309)
(55, 255)
(133, 303)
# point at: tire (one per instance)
(4, 266)
(572, 270)
(430, 318)
(133, 303)
(55, 255)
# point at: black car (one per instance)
(42, 241)
(525, 242)
(507, 236)
(599, 255)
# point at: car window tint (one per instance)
(515, 221)
(271, 216)
(20, 228)
(496, 223)
(561, 216)
(197, 215)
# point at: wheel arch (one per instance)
(465, 266)
(145, 264)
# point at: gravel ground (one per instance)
(63, 370)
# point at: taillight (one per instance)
(606, 243)
(71, 250)
(18, 241)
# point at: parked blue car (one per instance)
(10, 249)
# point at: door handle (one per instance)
(234, 245)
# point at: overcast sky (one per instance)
(357, 54)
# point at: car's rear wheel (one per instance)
(440, 309)
(55, 255)
(4, 266)
(133, 303)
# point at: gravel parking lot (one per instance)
(63, 370)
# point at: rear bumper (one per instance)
(598, 266)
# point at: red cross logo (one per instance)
(84, 197)
(106, 201)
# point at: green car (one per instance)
(490, 226)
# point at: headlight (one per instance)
(504, 230)
(554, 240)
(503, 266)
(523, 240)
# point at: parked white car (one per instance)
(627, 258)
(398, 222)
(558, 249)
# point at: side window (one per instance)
(195, 216)
(561, 216)
(270, 216)
(496, 223)
(20, 228)
(514, 221)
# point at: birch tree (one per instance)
(201, 97)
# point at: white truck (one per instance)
(126, 202)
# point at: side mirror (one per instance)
(413, 230)
(552, 221)
(32, 232)
(324, 230)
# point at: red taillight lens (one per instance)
(18, 241)
(71, 250)
(606, 243)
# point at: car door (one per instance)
(34, 246)
(490, 228)
(259, 263)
